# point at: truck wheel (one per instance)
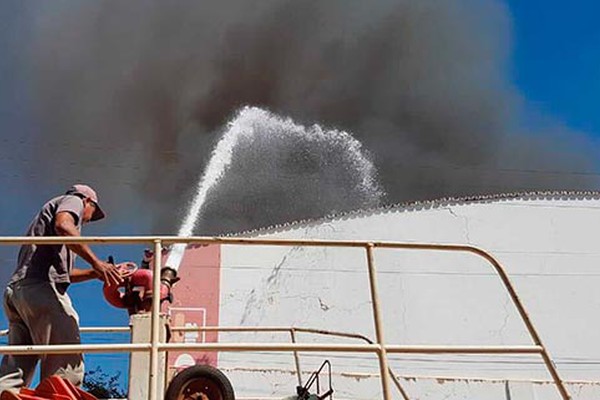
(200, 382)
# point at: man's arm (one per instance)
(81, 275)
(64, 225)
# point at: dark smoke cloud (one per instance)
(133, 95)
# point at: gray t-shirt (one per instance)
(50, 263)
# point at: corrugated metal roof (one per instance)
(423, 205)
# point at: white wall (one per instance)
(548, 245)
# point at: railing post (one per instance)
(155, 338)
(382, 353)
(296, 357)
(537, 340)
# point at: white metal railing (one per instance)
(380, 348)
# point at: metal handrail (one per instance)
(291, 330)
(90, 329)
(271, 329)
(390, 349)
(380, 348)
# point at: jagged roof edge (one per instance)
(415, 206)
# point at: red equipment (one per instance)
(135, 293)
(52, 388)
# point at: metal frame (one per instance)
(380, 348)
(292, 331)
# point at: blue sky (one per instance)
(554, 64)
(556, 59)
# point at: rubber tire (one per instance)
(215, 378)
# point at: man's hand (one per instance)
(108, 272)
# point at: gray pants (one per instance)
(40, 313)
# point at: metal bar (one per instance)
(296, 357)
(8, 240)
(107, 329)
(95, 329)
(395, 380)
(464, 349)
(155, 321)
(268, 329)
(377, 319)
(308, 347)
(75, 348)
(334, 333)
(526, 319)
(232, 329)
(273, 347)
(12, 240)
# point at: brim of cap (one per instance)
(98, 213)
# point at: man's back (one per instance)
(48, 262)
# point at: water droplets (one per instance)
(269, 164)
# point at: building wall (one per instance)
(548, 245)
(196, 303)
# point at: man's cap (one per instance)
(89, 193)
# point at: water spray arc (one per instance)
(252, 124)
(219, 161)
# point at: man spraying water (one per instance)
(37, 306)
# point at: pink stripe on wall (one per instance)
(196, 302)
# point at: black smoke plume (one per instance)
(132, 95)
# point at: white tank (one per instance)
(547, 242)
